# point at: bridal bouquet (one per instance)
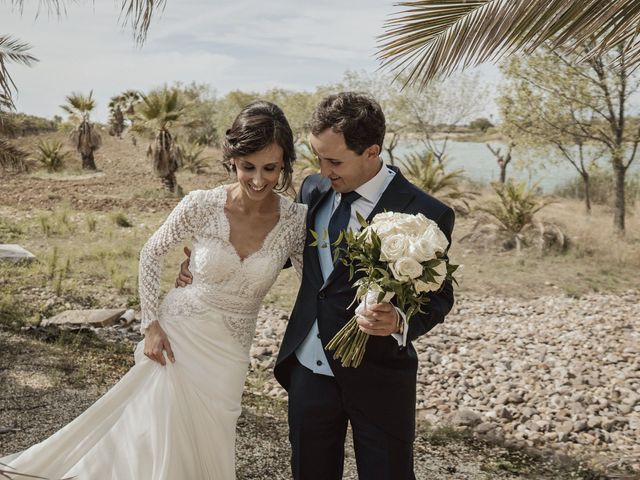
(399, 255)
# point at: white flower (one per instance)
(441, 274)
(422, 249)
(393, 247)
(412, 224)
(385, 229)
(436, 238)
(406, 268)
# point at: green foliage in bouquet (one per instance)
(363, 255)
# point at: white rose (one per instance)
(411, 224)
(422, 287)
(436, 238)
(406, 268)
(440, 275)
(421, 249)
(393, 247)
(385, 229)
(383, 217)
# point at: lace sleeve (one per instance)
(181, 224)
(299, 239)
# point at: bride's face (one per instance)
(258, 173)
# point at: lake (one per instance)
(480, 164)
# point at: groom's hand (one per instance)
(184, 277)
(380, 319)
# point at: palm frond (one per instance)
(12, 158)
(433, 38)
(79, 105)
(139, 14)
(158, 109)
(11, 51)
(56, 7)
(515, 206)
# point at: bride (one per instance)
(173, 415)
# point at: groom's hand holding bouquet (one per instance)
(397, 255)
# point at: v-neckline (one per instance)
(265, 241)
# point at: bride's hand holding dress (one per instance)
(156, 343)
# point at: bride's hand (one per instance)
(155, 342)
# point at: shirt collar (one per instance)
(371, 190)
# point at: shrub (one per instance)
(430, 175)
(514, 208)
(193, 160)
(121, 220)
(51, 155)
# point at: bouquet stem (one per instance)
(349, 344)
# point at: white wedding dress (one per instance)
(178, 422)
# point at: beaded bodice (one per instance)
(222, 281)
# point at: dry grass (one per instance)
(72, 213)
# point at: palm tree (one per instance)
(154, 115)
(11, 50)
(428, 173)
(430, 38)
(121, 110)
(85, 136)
(12, 158)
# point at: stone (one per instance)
(465, 417)
(96, 318)
(485, 427)
(10, 252)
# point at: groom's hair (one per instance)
(356, 115)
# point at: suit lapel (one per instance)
(312, 252)
(394, 199)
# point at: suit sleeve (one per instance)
(300, 198)
(440, 302)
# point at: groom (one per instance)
(377, 398)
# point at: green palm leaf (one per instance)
(11, 50)
(137, 13)
(432, 38)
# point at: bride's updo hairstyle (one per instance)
(257, 126)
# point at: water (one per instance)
(480, 164)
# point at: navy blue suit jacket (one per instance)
(384, 385)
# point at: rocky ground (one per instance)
(507, 388)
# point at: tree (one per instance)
(431, 113)
(11, 50)
(122, 110)
(297, 106)
(432, 38)
(390, 97)
(158, 111)
(84, 137)
(557, 98)
(503, 159)
(482, 124)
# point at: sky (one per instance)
(246, 44)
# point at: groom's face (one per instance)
(345, 168)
